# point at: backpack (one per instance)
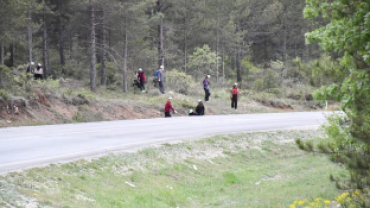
(156, 73)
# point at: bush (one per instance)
(177, 81)
(6, 77)
(258, 85)
(4, 95)
(269, 81)
(275, 91)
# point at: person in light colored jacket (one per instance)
(38, 72)
(161, 79)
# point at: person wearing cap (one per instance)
(38, 72)
(234, 96)
(206, 87)
(168, 107)
(191, 113)
(161, 79)
(200, 108)
(30, 68)
(142, 79)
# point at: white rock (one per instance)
(195, 167)
(130, 184)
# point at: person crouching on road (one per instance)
(191, 113)
(234, 96)
(168, 107)
(200, 108)
(142, 79)
(38, 72)
(207, 89)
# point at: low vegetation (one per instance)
(245, 170)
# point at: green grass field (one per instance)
(244, 170)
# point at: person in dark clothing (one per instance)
(207, 89)
(191, 113)
(30, 68)
(142, 79)
(200, 108)
(168, 107)
(234, 96)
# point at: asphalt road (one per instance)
(25, 147)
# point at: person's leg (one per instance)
(161, 87)
(209, 94)
(236, 102)
(206, 95)
(143, 86)
(167, 115)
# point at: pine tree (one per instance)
(348, 140)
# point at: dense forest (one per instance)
(105, 41)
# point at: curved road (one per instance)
(24, 147)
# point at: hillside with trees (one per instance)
(104, 41)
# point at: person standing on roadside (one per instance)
(38, 72)
(200, 108)
(30, 68)
(155, 78)
(168, 107)
(234, 96)
(142, 79)
(206, 87)
(161, 79)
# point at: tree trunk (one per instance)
(60, 35)
(160, 35)
(12, 54)
(92, 50)
(46, 48)
(103, 55)
(218, 20)
(2, 53)
(30, 32)
(239, 55)
(125, 85)
(185, 39)
(283, 47)
(223, 60)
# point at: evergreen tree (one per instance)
(348, 35)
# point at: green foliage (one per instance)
(84, 94)
(4, 95)
(202, 60)
(258, 85)
(269, 81)
(346, 80)
(6, 77)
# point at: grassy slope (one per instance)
(246, 170)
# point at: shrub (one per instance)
(258, 85)
(269, 81)
(4, 95)
(275, 91)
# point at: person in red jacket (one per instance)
(168, 107)
(234, 96)
(142, 79)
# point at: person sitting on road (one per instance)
(168, 107)
(200, 108)
(38, 72)
(191, 113)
